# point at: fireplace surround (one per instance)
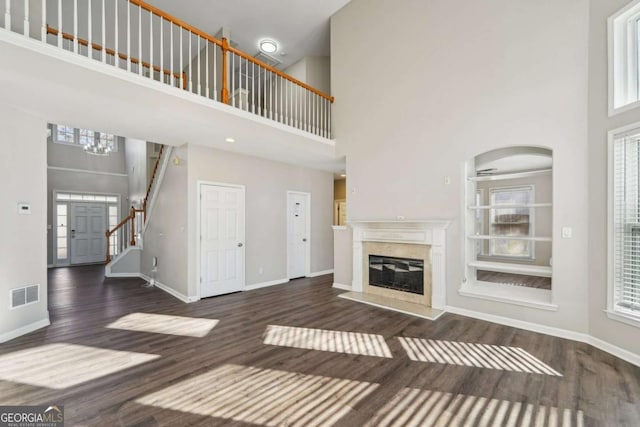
(417, 240)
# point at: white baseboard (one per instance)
(124, 275)
(549, 330)
(529, 326)
(615, 350)
(24, 330)
(320, 273)
(341, 286)
(265, 284)
(182, 297)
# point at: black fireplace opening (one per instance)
(401, 274)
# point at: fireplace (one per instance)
(400, 260)
(401, 274)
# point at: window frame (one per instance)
(613, 310)
(624, 59)
(76, 137)
(532, 231)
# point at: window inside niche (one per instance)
(509, 220)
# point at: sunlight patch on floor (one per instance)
(62, 365)
(327, 340)
(262, 396)
(165, 324)
(415, 407)
(478, 355)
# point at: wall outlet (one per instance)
(260, 271)
(567, 232)
(24, 209)
(447, 180)
(400, 217)
(154, 261)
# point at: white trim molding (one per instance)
(182, 297)
(341, 286)
(117, 259)
(25, 329)
(320, 273)
(266, 284)
(92, 172)
(616, 351)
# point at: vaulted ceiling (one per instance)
(300, 27)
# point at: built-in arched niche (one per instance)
(508, 223)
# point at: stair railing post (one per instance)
(108, 234)
(225, 77)
(133, 227)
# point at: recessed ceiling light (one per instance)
(344, 175)
(230, 140)
(268, 46)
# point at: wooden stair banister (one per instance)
(133, 211)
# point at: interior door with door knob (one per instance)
(221, 239)
(298, 230)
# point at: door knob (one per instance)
(304, 240)
(73, 234)
(240, 245)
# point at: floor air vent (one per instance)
(24, 296)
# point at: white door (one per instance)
(221, 240)
(88, 227)
(298, 224)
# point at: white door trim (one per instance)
(54, 217)
(200, 184)
(308, 225)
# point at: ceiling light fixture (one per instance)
(344, 175)
(97, 147)
(268, 46)
(230, 140)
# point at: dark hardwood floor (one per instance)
(231, 377)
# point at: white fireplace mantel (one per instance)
(417, 232)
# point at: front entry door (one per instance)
(298, 249)
(88, 227)
(221, 240)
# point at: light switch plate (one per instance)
(567, 232)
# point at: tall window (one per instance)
(81, 137)
(625, 227)
(624, 58)
(512, 220)
(61, 231)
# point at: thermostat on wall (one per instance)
(24, 209)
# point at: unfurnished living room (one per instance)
(327, 213)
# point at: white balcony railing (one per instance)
(135, 36)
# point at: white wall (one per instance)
(600, 326)
(343, 250)
(136, 164)
(23, 247)
(453, 80)
(165, 236)
(319, 73)
(266, 183)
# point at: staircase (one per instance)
(125, 240)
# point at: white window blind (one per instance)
(626, 224)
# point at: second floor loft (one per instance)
(150, 44)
